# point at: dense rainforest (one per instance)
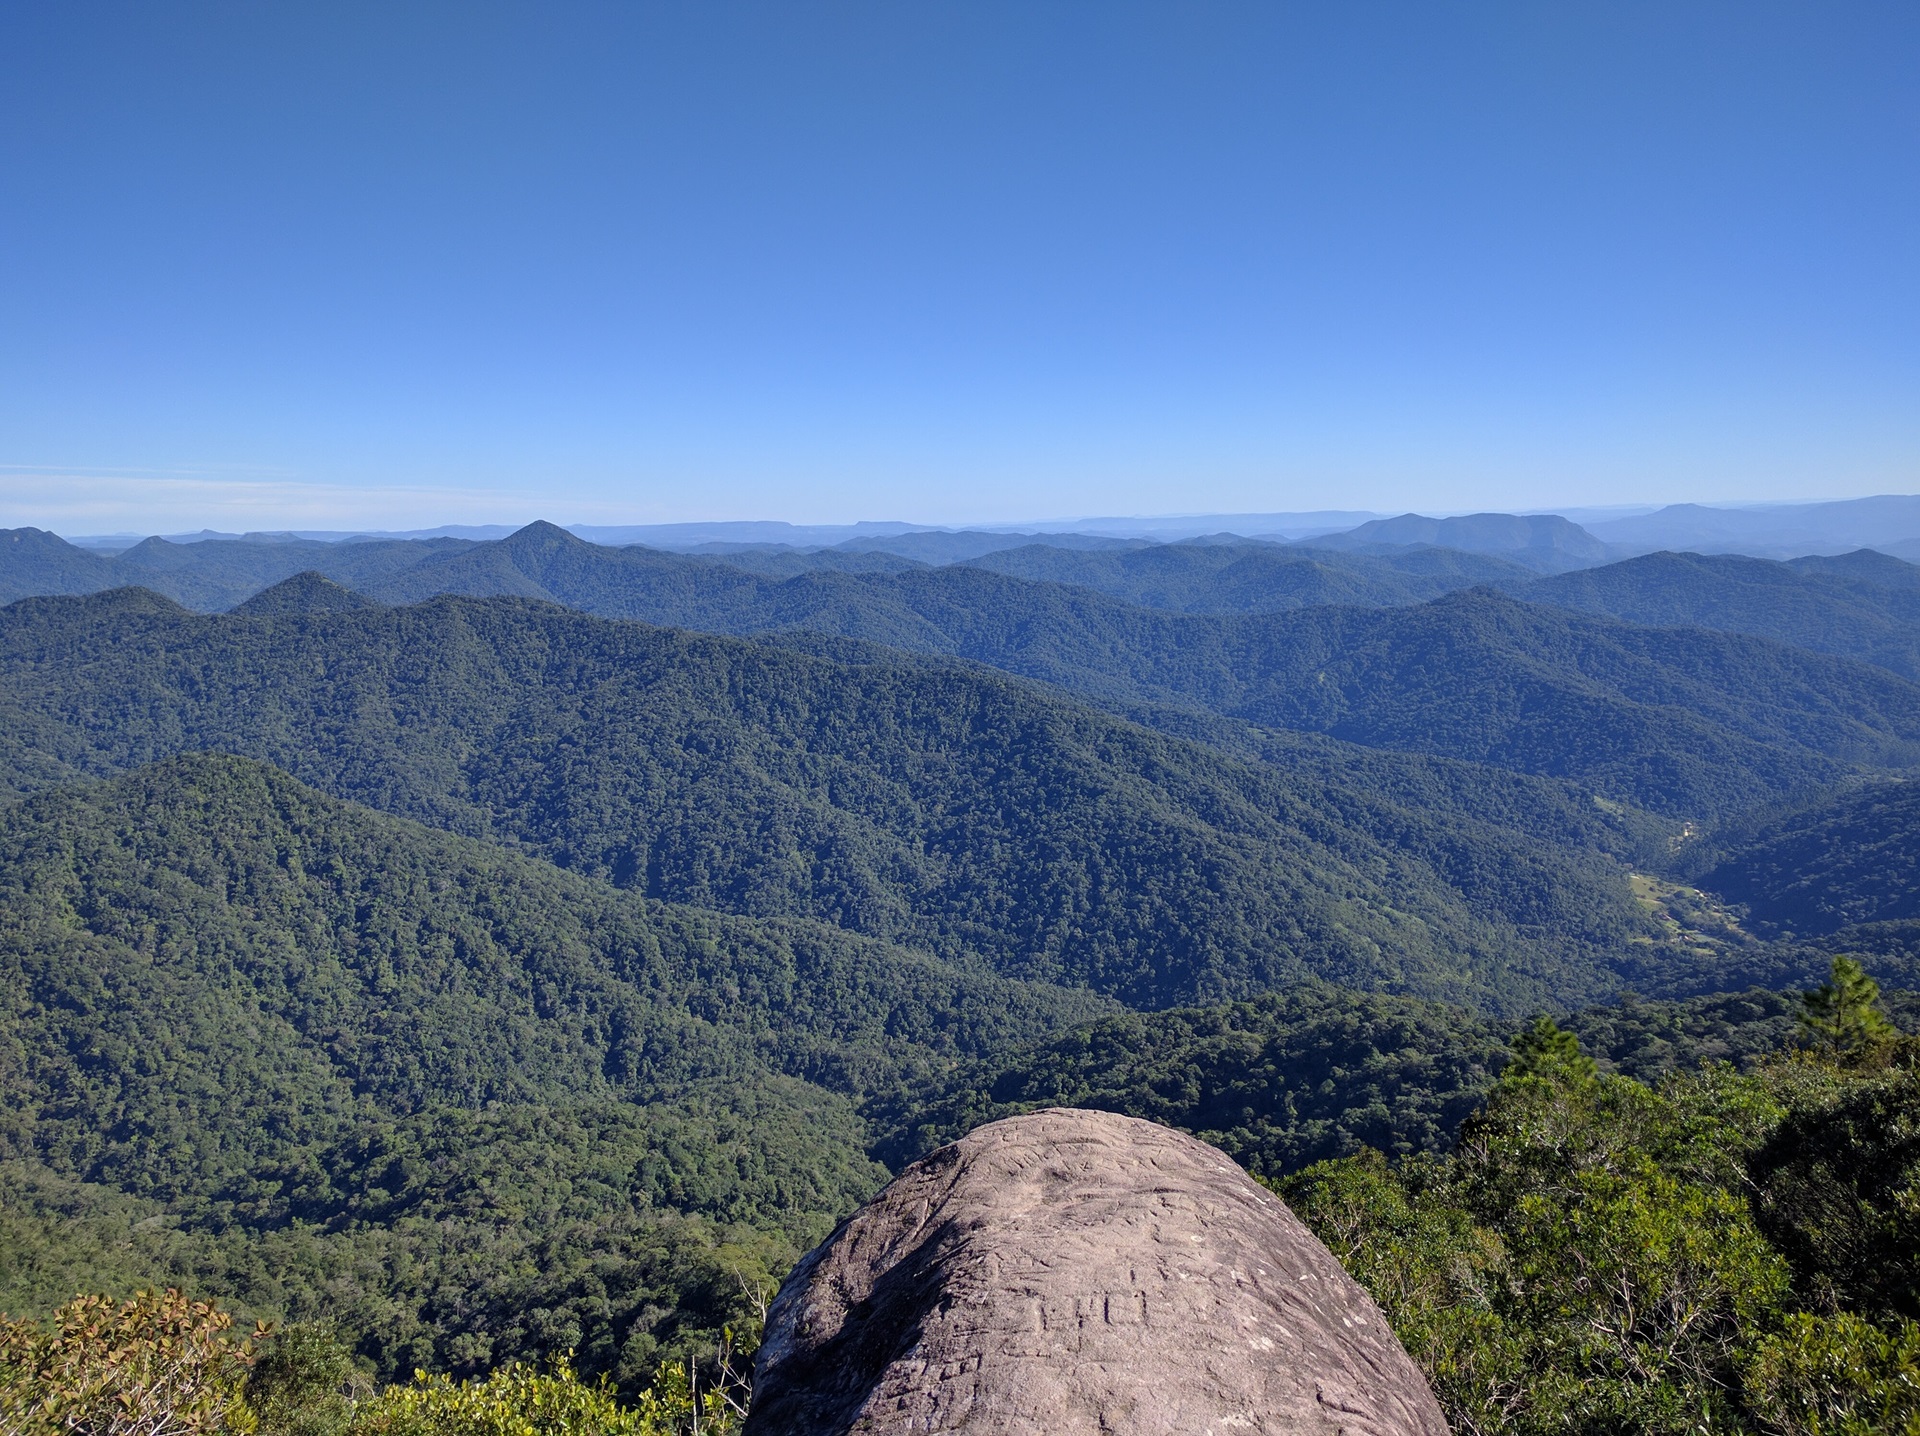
(936, 804)
(472, 953)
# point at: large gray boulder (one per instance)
(1076, 1273)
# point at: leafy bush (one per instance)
(1715, 1252)
(1839, 1376)
(303, 1383)
(156, 1364)
(516, 1401)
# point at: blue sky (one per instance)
(394, 264)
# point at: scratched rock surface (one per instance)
(1074, 1273)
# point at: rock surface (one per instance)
(1069, 1273)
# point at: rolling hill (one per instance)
(464, 1105)
(1689, 722)
(1848, 862)
(937, 805)
(1236, 577)
(1863, 605)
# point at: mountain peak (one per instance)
(541, 534)
(307, 592)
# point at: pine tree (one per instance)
(1843, 1014)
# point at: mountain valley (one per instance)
(498, 948)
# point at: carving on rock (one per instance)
(1074, 1273)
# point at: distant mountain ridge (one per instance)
(1888, 522)
(1545, 542)
(1862, 605)
(1692, 722)
(217, 571)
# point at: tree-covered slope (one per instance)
(287, 958)
(1277, 1082)
(1848, 860)
(940, 806)
(33, 561)
(1314, 1072)
(1690, 722)
(1682, 721)
(1867, 609)
(331, 1063)
(305, 592)
(1227, 577)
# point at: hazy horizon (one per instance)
(1169, 527)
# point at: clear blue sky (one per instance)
(387, 264)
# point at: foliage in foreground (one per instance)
(156, 1364)
(518, 1401)
(1717, 1252)
(159, 1364)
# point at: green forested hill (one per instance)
(1867, 609)
(1313, 1072)
(305, 592)
(339, 1063)
(1690, 722)
(944, 807)
(1227, 577)
(1848, 860)
(307, 958)
(1678, 720)
(33, 561)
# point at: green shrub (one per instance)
(303, 1383)
(518, 1401)
(1839, 1376)
(155, 1364)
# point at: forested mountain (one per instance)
(216, 574)
(603, 965)
(1225, 576)
(33, 561)
(307, 592)
(1862, 605)
(1679, 720)
(1862, 565)
(471, 1108)
(1847, 861)
(942, 806)
(1238, 577)
(349, 1065)
(213, 916)
(1688, 722)
(1546, 543)
(212, 574)
(1776, 530)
